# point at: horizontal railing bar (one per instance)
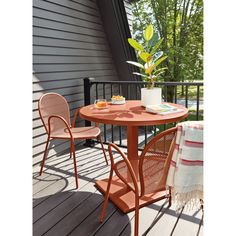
(122, 146)
(140, 82)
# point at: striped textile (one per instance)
(185, 175)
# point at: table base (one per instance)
(124, 198)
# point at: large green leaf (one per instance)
(148, 33)
(135, 64)
(149, 68)
(156, 46)
(157, 55)
(153, 41)
(160, 73)
(145, 76)
(135, 44)
(145, 56)
(159, 61)
(161, 70)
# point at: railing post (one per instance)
(87, 101)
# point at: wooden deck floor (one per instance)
(59, 209)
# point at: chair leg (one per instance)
(72, 147)
(170, 198)
(44, 156)
(100, 139)
(70, 153)
(202, 206)
(136, 222)
(106, 197)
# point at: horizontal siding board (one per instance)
(77, 13)
(37, 87)
(87, 3)
(53, 42)
(42, 50)
(74, 74)
(75, 5)
(62, 91)
(51, 59)
(66, 27)
(45, 14)
(74, 67)
(37, 31)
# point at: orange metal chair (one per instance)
(152, 170)
(55, 114)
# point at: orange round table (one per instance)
(132, 115)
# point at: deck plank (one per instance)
(164, 222)
(78, 214)
(116, 224)
(92, 223)
(189, 221)
(57, 214)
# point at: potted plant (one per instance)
(151, 58)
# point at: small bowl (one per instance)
(118, 101)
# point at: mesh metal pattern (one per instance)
(155, 166)
(122, 171)
(54, 104)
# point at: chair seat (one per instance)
(78, 133)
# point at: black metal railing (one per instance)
(94, 89)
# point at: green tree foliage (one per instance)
(180, 24)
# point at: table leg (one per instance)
(132, 142)
(132, 147)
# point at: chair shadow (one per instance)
(83, 215)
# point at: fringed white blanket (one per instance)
(185, 175)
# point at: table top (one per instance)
(130, 114)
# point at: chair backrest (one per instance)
(155, 161)
(123, 169)
(53, 104)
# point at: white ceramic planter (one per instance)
(150, 96)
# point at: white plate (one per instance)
(118, 102)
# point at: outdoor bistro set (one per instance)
(170, 165)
